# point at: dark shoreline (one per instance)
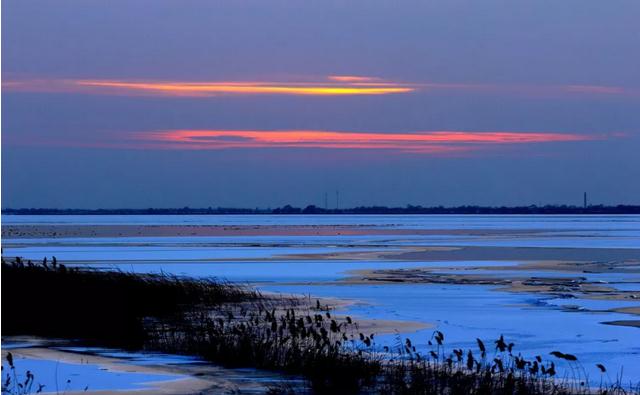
(372, 210)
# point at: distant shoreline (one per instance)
(372, 210)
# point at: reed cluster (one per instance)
(107, 307)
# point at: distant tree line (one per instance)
(312, 209)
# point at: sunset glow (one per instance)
(424, 142)
(329, 86)
(332, 85)
(244, 88)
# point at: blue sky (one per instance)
(264, 103)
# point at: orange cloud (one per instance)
(419, 142)
(245, 88)
(332, 86)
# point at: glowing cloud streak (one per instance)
(246, 88)
(418, 142)
(332, 85)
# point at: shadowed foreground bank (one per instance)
(237, 327)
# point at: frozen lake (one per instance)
(504, 222)
(536, 323)
(70, 377)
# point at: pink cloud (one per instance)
(429, 142)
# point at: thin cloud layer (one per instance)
(418, 142)
(332, 85)
(353, 79)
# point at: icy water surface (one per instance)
(538, 324)
(62, 377)
(505, 222)
(121, 371)
(467, 312)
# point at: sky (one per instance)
(241, 103)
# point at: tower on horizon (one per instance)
(584, 202)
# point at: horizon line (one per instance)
(318, 209)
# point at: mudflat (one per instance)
(82, 231)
